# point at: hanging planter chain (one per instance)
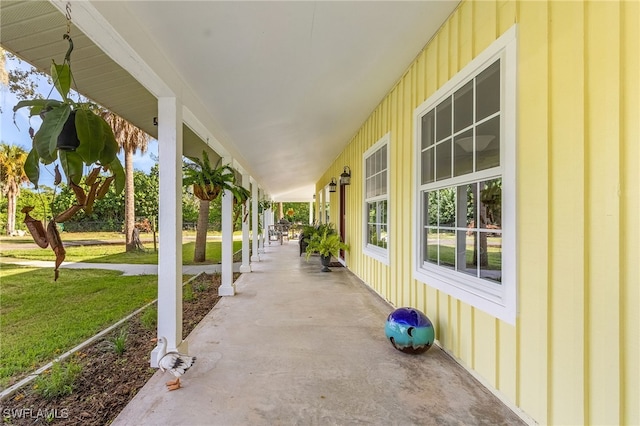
(67, 36)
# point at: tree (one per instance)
(208, 184)
(12, 175)
(23, 83)
(130, 139)
(300, 212)
(147, 190)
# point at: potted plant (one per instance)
(75, 135)
(264, 205)
(208, 182)
(309, 230)
(72, 132)
(326, 244)
(240, 196)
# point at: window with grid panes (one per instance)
(376, 200)
(466, 163)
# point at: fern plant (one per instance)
(208, 182)
(326, 244)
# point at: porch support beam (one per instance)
(265, 226)
(227, 287)
(170, 224)
(245, 267)
(255, 257)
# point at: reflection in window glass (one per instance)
(488, 144)
(376, 196)
(443, 120)
(471, 191)
(431, 246)
(377, 224)
(466, 252)
(463, 222)
(383, 183)
(490, 256)
(447, 249)
(428, 170)
(462, 234)
(428, 130)
(463, 153)
(443, 160)
(447, 207)
(463, 107)
(488, 91)
(491, 204)
(432, 209)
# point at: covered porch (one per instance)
(267, 88)
(277, 101)
(298, 346)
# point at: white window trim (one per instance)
(499, 300)
(378, 253)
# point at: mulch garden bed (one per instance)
(108, 381)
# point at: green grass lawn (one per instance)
(74, 236)
(41, 319)
(115, 253)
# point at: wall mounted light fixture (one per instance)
(332, 185)
(345, 177)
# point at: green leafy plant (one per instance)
(92, 141)
(187, 293)
(240, 196)
(75, 135)
(59, 380)
(326, 244)
(264, 205)
(208, 182)
(119, 342)
(200, 286)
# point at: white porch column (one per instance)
(245, 267)
(170, 224)
(267, 220)
(310, 212)
(265, 227)
(255, 257)
(227, 288)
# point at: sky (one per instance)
(19, 135)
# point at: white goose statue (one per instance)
(173, 362)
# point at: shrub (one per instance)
(119, 342)
(59, 381)
(187, 293)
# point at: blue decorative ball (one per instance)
(409, 330)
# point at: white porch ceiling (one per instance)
(282, 86)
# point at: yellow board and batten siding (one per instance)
(573, 355)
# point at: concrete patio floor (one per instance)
(296, 346)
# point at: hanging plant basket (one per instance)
(74, 135)
(68, 138)
(206, 192)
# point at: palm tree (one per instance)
(208, 183)
(130, 139)
(12, 175)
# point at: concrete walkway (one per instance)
(126, 269)
(296, 346)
